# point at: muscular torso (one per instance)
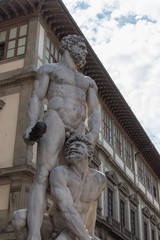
(67, 95)
(84, 192)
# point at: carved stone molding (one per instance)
(96, 160)
(146, 212)
(133, 198)
(2, 103)
(154, 220)
(124, 188)
(17, 80)
(158, 226)
(114, 223)
(111, 175)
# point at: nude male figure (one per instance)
(75, 189)
(68, 92)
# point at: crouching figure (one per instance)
(75, 190)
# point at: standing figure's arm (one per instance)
(93, 112)
(39, 91)
(62, 198)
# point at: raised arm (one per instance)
(93, 112)
(63, 199)
(39, 91)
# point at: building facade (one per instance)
(30, 32)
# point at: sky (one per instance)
(125, 35)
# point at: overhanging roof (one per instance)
(61, 23)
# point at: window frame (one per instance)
(133, 226)
(110, 202)
(140, 170)
(153, 234)
(106, 127)
(51, 55)
(16, 39)
(154, 187)
(122, 213)
(118, 139)
(145, 230)
(128, 154)
(148, 182)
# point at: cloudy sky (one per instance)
(126, 37)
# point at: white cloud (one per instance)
(130, 51)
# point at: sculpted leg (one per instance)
(36, 206)
(19, 218)
(19, 222)
(49, 148)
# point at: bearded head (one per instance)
(77, 48)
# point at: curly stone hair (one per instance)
(80, 138)
(69, 39)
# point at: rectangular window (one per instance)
(148, 179)
(110, 202)
(52, 55)
(153, 234)
(133, 229)
(140, 167)
(106, 128)
(154, 187)
(145, 231)
(128, 154)
(154, 192)
(118, 141)
(2, 47)
(13, 42)
(122, 212)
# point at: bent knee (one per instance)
(19, 219)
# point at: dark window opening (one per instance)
(2, 47)
(145, 231)
(122, 213)
(110, 202)
(133, 229)
(153, 235)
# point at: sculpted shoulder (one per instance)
(99, 176)
(47, 68)
(58, 175)
(91, 83)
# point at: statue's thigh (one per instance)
(52, 142)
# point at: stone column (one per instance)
(140, 230)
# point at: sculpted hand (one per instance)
(26, 136)
(91, 137)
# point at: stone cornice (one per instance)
(124, 188)
(133, 198)
(112, 176)
(10, 171)
(154, 220)
(146, 212)
(17, 80)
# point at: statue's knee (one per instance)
(42, 177)
(19, 219)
